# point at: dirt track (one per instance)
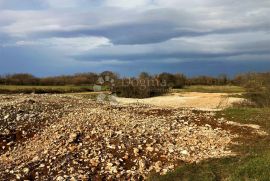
(198, 100)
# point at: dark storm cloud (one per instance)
(156, 29)
(150, 26)
(198, 49)
(129, 34)
(165, 55)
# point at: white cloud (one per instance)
(78, 44)
(127, 3)
(26, 43)
(68, 45)
(62, 3)
(180, 3)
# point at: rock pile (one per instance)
(74, 138)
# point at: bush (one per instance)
(172, 80)
(260, 99)
(258, 88)
(139, 92)
(138, 88)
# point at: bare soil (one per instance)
(197, 100)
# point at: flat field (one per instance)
(11, 89)
(212, 89)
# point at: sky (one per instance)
(195, 37)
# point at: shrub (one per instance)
(172, 80)
(258, 88)
(139, 88)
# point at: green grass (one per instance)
(212, 89)
(259, 116)
(252, 163)
(6, 89)
(71, 88)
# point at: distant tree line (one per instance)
(177, 80)
(147, 85)
(28, 79)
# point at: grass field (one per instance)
(6, 89)
(211, 89)
(252, 163)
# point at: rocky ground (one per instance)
(63, 137)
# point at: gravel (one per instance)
(63, 137)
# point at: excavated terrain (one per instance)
(65, 137)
